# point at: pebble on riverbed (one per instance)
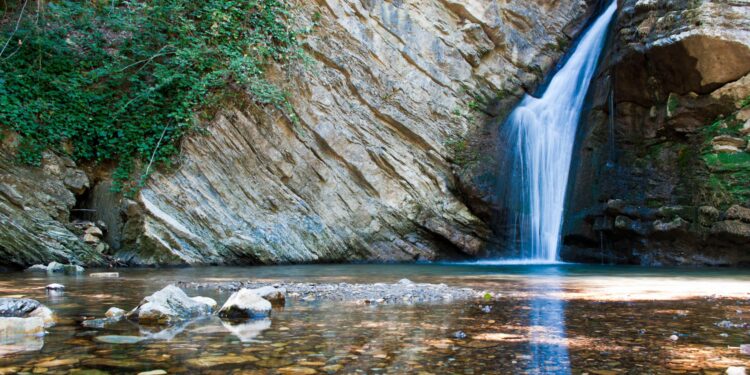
(403, 292)
(55, 287)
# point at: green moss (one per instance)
(461, 152)
(672, 104)
(728, 180)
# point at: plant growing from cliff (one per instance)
(124, 81)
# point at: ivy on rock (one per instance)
(124, 81)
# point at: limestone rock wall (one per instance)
(664, 166)
(35, 205)
(369, 171)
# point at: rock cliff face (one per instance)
(390, 113)
(367, 173)
(35, 205)
(663, 175)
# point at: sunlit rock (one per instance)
(167, 306)
(114, 312)
(276, 295)
(245, 304)
(206, 300)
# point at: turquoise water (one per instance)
(553, 319)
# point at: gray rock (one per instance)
(55, 287)
(276, 295)
(738, 212)
(405, 282)
(37, 268)
(707, 215)
(114, 312)
(245, 304)
(167, 306)
(55, 267)
(26, 308)
(732, 230)
(18, 307)
(208, 301)
(94, 231)
(73, 269)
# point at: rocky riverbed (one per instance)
(402, 292)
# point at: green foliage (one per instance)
(728, 181)
(672, 104)
(745, 102)
(125, 80)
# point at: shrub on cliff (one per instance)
(124, 80)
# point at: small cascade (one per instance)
(541, 134)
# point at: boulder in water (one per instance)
(26, 308)
(114, 312)
(167, 306)
(37, 268)
(245, 304)
(208, 301)
(54, 267)
(276, 295)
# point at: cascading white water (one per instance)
(542, 132)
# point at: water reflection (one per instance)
(548, 339)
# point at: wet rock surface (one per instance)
(245, 304)
(168, 306)
(398, 293)
(663, 139)
(369, 172)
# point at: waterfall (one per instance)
(540, 133)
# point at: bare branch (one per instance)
(18, 23)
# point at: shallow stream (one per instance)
(553, 319)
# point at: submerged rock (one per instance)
(116, 339)
(55, 267)
(167, 306)
(21, 334)
(245, 304)
(104, 275)
(26, 308)
(73, 269)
